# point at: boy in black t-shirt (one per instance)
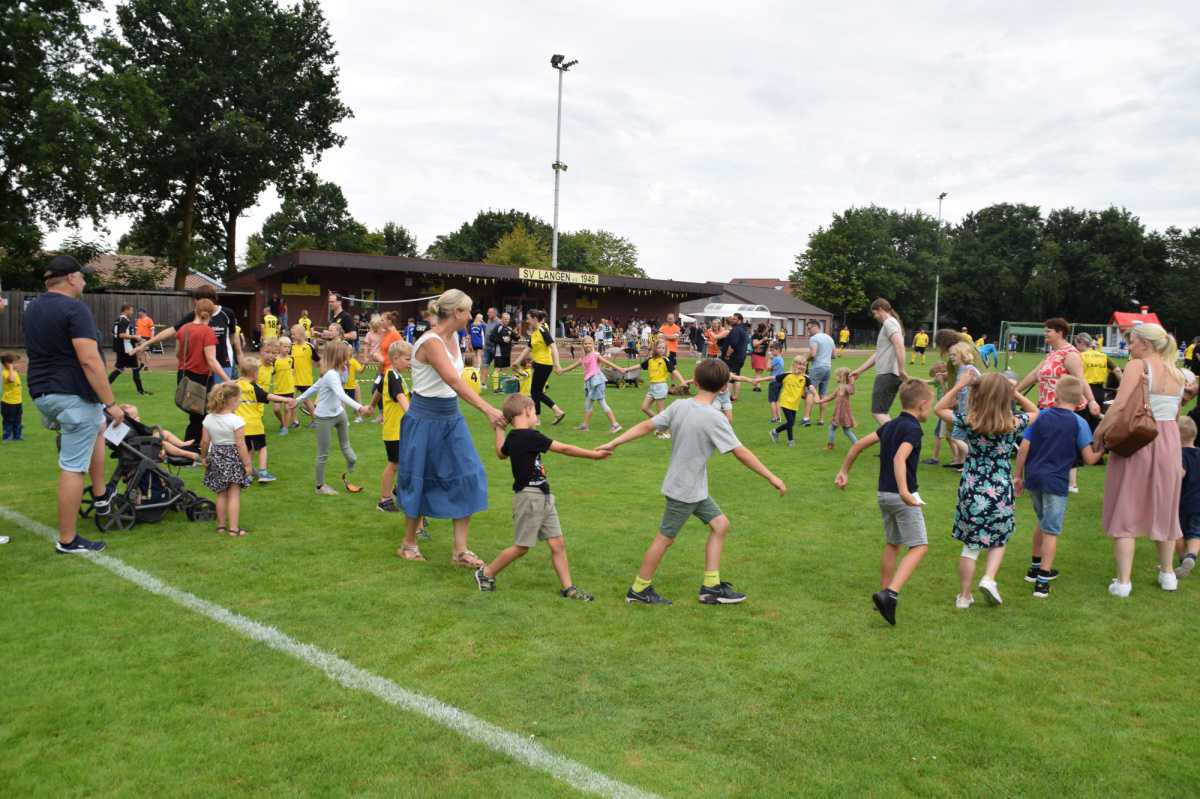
(534, 515)
(903, 521)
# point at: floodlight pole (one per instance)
(559, 167)
(937, 283)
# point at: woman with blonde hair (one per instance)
(1141, 491)
(961, 358)
(440, 473)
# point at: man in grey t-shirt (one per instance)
(697, 429)
(820, 365)
(888, 360)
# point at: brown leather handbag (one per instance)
(190, 396)
(1129, 425)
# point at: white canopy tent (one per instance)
(687, 320)
(722, 310)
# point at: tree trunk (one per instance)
(183, 257)
(230, 225)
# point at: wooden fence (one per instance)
(164, 307)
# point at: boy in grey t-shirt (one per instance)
(697, 428)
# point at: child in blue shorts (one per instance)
(1189, 498)
(778, 367)
(1044, 462)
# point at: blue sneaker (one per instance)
(283, 431)
(266, 477)
(79, 545)
(647, 596)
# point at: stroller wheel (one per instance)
(121, 516)
(202, 510)
(87, 503)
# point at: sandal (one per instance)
(239, 532)
(466, 558)
(353, 489)
(220, 528)
(571, 592)
(410, 553)
(560, 417)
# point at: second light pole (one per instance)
(560, 63)
(937, 284)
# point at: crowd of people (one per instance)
(1003, 443)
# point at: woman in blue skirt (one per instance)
(440, 474)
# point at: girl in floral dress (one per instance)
(984, 516)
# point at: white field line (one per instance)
(346, 674)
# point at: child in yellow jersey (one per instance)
(270, 327)
(11, 406)
(793, 387)
(284, 383)
(658, 373)
(395, 404)
(523, 371)
(470, 372)
(250, 408)
(302, 363)
(350, 386)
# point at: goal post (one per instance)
(1031, 336)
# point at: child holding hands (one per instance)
(328, 414)
(594, 384)
(224, 456)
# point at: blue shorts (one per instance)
(1190, 522)
(958, 433)
(1050, 510)
(78, 421)
(722, 402)
(818, 377)
(773, 391)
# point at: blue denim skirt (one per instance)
(440, 473)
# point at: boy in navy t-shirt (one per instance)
(903, 521)
(1044, 463)
(1189, 498)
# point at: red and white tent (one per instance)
(1124, 321)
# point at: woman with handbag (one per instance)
(1145, 471)
(196, 350)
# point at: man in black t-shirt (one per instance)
(340, 320)
(67, 383)
(535, 517)
(124, 341)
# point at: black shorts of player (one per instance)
(919, 350)
(126, 361)
(255, 443)
(501, 361)
(300, 390)
(352, 393)
(393, 451)
(670, 362)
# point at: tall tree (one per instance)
(314, 215)
(519, 247)
(212, 100)
(598, 251)
(474, 239)
(397, 240)
(49, 129)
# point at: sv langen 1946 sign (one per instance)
(556, 276)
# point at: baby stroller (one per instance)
(145, 490)
(620, 378)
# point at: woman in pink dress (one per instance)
(1141, 492)
(1062, 359)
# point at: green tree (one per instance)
(314, 216)
(397, 240)
(598, 251)
(472, 241)
(519, 247)
(867, 253)
(157, 235)
(209, 101)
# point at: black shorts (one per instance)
(501, 361)
(393, 451)
(300, 390)
(919, 350)
(255, 443)
(352, 393)
(127, 361)
(735, 367)
(670, 362)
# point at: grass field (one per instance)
(802, 690)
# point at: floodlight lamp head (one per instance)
(556, 60)
(943, 195)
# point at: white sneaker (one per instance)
(963, 604)
(1120, 589)
(3, 539)
(991, 591)
(1167, 581)
(1073, 489)
(327, 490)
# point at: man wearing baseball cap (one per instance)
(68, 384)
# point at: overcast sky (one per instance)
(718, 136)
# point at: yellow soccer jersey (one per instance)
(471, 375)
(393, 387)
(270, 327)
(12, 387)
(306, 323)
(539, 343)
(844, 335)
(656, 368)
(352, 370)
(285, 379)
(254, 399)
(263, 380)
(1095, 366)
(921, 340)
(302, 363)
(792, 391)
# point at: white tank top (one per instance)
(1163, 407)
(425, 379)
